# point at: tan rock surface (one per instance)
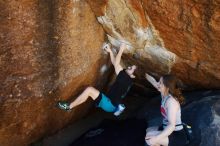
(48, 52)
(167, 37)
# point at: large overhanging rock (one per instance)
(166, 37)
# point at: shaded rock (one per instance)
(203, 115)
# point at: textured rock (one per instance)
(125, 21)
(204, 119)
(49, 50)
(190, 30)
(180, 37)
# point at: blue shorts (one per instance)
(105, 103)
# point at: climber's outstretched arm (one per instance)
(108, 49)
(116, 60)
(117, 64)
(152, 81)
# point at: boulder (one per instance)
(203, 115)
(50, 50)
(166, 37)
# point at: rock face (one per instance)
(166, 36)
(49, 50)
(205, 120)
(191, 31)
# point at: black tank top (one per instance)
(120, 87)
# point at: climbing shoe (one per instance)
(63, 105)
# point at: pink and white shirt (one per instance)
(164, 112)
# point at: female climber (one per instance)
(171, 132)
